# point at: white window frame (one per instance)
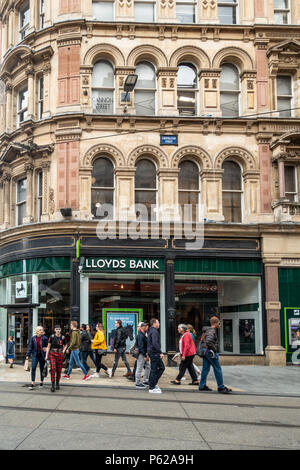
(235, 4)
(149, 189)
(192, 190)
(42, 14)
(238, 92)
(105, 1)
(148, 89)
(283, 10)
(151, 2)
(103, 188)
(20, 111)
(285, 96)
(20, 203)
(241, 191)
(189, 2)
(23, 29)
(113, 89)
(195, 90)
(295, 193)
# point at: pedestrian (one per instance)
(37, 349)
(84, 346)
(143, 360)
(99, 347)
(192, 331)
(132, 376)
(56, 349)
(187, 350)
(73, 348)
(154, 352)
(11, 351)
(119, 345)
(209, 340)
(90, 353)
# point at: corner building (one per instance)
(218, 84)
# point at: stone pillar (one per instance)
(6, 184)
(275, 353)
(265, 172)
(47, 14)
(30, 84)
(11, 28)
(8, 107)
(29, 193)
(168, 204)
(121, 74)
(124, 197)
(209, 85)
(281, 179)
(246, 12)
(251, 195)
(208, 11)
(166, 86)
(33, 14)
(47, 87)
(45, 173)
(211, 194)
(259, 11)
(248, 88)
(263, 92)
(86, 73)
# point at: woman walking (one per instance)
(37, 349)
(192, 331)
(187, 350)
(57, 346)
(11, 351)
(99, 347)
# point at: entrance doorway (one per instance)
(237, 333)
(18, 327)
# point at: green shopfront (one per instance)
(163, 281)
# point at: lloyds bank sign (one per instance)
(124, 264)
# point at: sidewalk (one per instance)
(243, 379)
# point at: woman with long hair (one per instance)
(99, 347)
(37, 349)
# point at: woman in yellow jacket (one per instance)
(99, 347)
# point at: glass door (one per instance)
(18, 328)
(238, 333)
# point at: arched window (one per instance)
(145, 186)
(102, 185)
(188, 186)
(145, 89)
(229, 90)
(232, 191)
(103, 87)
(187, 89)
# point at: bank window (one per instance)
(284, 95)
(232, 192)
(39, 198)
(24, 17)
(40, 97)
(103, 11)
(145, 190)
(186, 11)
(102, 188)
(187, 89)
(188, 186)
(281, 11)
(227, 11)
(103, 86)
(145, 89)
(229, 90)
(42, 14)
(21, 196)
(144, 11)
(290, 177)
(22, 105)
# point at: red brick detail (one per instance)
(262, 80)
(68, 75)
(265, 178)
(68, 175)
(69, 6)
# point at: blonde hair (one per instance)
(191, 329)
(39, 328)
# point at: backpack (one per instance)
(202, 348)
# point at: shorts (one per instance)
(10, 356)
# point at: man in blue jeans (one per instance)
(74, 349)
(156, 356)
(211, 357)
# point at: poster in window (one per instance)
(21, 289)
(130, 319)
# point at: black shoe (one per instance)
(53, 387)
(194, 383)
(173, 382)
(224, 390)
(205, 389)
(57, 386)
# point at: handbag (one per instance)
(135, 352)
(45, 370)
(101, 352)
(26, 365)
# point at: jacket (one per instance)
(154, 346)
(99, 341)
(75, 340)
(32, 348)
(120, 338)
(10, 347)
(141, 343)
(211, 339)
(187, 345)
(85, 341)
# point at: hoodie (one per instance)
(75, 340)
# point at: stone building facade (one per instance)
(222, 79)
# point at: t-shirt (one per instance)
(57, 342)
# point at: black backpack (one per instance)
(202, 348)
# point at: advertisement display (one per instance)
(130, 319)
(292, 329)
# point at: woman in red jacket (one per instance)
(187, 350)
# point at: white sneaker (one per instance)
(109, 373)
(155, 390)
(157, 387)
(95, 375)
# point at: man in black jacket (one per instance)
(120, 347)
(211, 357)
(156, 356)
(141, 344)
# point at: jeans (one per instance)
(75, 358)
(83, 358)
(141, 362)
(37, 359)
(157, 369)
(98, 359)
(187, 364)
(120, 353)
(207, 362)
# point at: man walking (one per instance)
(143, 358)
(156, 356)
(120, 348)
(211, 357)
(74, 348)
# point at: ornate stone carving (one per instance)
(150, 150)
(192, 151)
(107, 149)
(245, 158)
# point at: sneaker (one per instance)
(205, 389)
(109, 373)
(157, 387)
(86, 377)
(141, 386)
(224, 390)
(95, 375)
(41, 385)
(146, 384)
(173, 382)
(155, 390)
(66, 376)
(32, 387)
